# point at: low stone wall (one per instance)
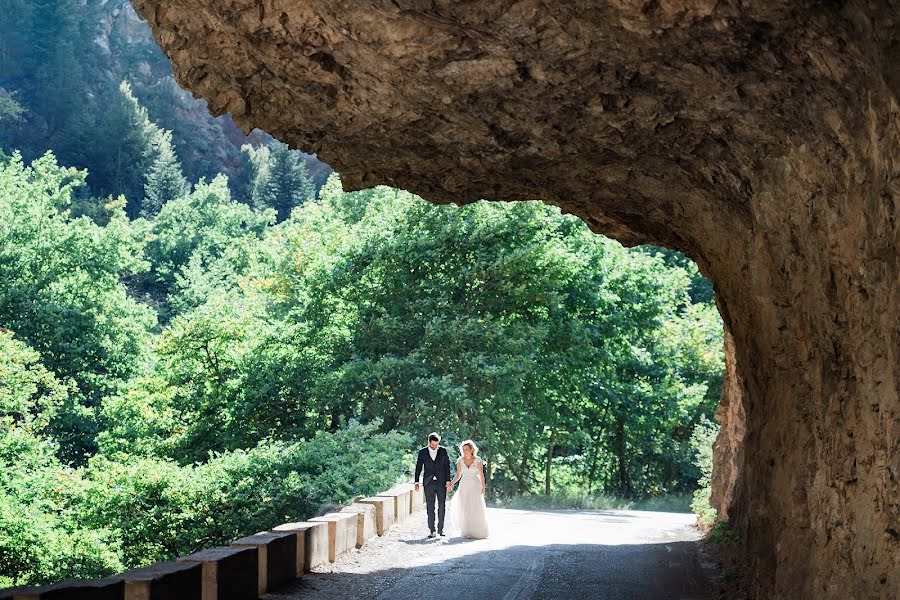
(312, 544)
(384, 512)
(251, 566)
(341, 533)
(365, 522)
(401, 497)
(231, 572)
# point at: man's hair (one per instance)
(434, 436)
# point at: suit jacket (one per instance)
(439, 467)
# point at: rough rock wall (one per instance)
(728, 450)
(760, 138)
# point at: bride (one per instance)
(467, 507)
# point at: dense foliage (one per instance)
(508, 323)
(123, 511)
(702, 439)
(174, 380)
(61, 290)
(87, 489)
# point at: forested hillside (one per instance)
(62, 66)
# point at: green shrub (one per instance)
(160, 510)
(721, 533)
(36, 547)
(662, 503)
(702, 441)
(57, 522)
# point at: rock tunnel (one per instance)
(762, 139)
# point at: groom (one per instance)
(434, 464)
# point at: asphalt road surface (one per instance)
(531, 554)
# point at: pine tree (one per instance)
(134, 134)
(283, 184)
(11, 116)
(115, 145)
(15, 41)
(52, 63)
(165, 180)
(252, 175)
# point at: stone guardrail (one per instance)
(251, 566)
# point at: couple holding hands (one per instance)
(467, 507)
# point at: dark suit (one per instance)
(436, 474)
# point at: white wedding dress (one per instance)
(467, 506)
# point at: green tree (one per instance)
(252, 172)
(279, 179)
(61, 287)
(14, 41)
(115, 144)
(702, 439)
(165, 182)
(199, 244)
(505, 323)
(701, 289)
(38, 543)
(11, 116)
(52, 62)
(130, 155)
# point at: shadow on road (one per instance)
(674, 570)
(437, 541)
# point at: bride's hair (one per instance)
(468, 443)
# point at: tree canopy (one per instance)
(209, 358)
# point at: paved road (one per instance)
(530, 555)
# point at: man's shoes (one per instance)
(431, 535)
(442, 534)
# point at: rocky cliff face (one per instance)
(126, 49)
(62, 62)
(761, 139)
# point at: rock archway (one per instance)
(760, 138)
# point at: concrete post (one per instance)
(277, 558)
(164, 581)
(384, 512)
(365, 522)
(312, 543)
(227, 573)
(341, 533)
